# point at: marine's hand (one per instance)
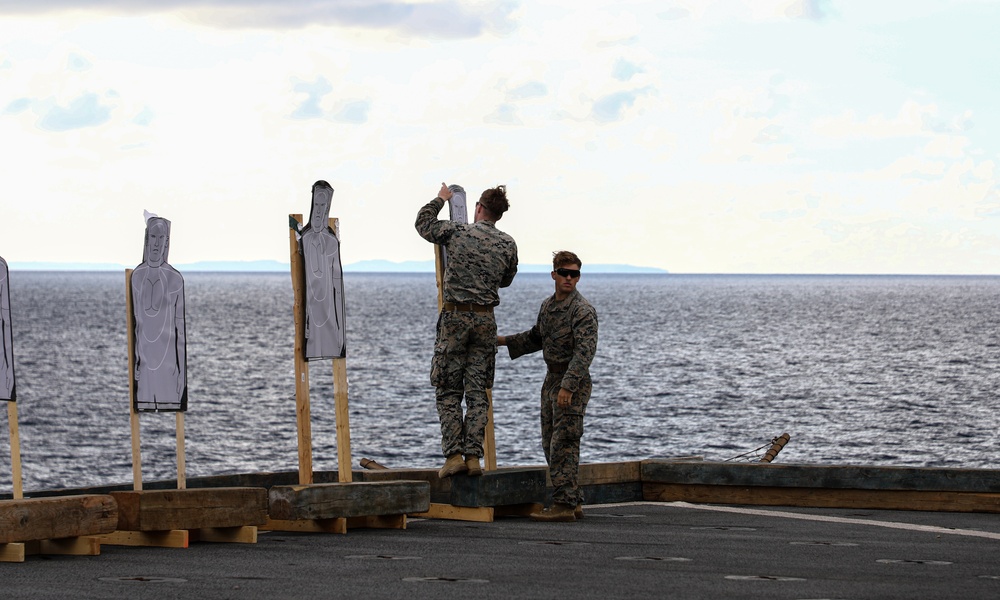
(565, 398)
(501, 340)
(445, 193)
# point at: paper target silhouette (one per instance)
(160, 330)
(324, 278)
(8, 387)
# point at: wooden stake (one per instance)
(15, 450)
(133, 415)
(303, 415)
(181, 478)
(343, 420)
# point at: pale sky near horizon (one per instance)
(738, 136)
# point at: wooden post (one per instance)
(343, 420)
(303, 415)
(133, 415)
(15, 450)
(181, 478)
(776, 445)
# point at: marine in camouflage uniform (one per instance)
(566, 333)
(481, 259)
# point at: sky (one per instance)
(738, 136)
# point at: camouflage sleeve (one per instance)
(429, 226)
(526, 342)
(508, 276)
(584, 347)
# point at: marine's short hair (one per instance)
(495, 200)
(563, 258)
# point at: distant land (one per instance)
(272, 266)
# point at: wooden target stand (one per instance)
(495, 493)
(174, 518)
(332, 507)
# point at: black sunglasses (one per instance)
(573, 273)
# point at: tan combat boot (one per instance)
(453, 465)
(560, 513)
(472, 464)
(578, 512)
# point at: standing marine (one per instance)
(566, 333)
(481, 259)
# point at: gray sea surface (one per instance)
(877, 370)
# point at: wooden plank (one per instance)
(133, 416)
(88, 545)
(307, 525)
(335, 500)
(343, 423)
(15, 450)
(826, 498)
(175, 538)
(377, 522)
(620, 472)
(489, 437)
(303, 412)
(181, 477)
(827, 477)
(49, 518)
(227, 535)
(501, 487)
(13, 552)
(159, 510)
(481, 514)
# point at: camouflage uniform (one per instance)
(481, 259)
(566, 333)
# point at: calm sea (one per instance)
(878, 370)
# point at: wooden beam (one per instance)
(489, 437)
(175, 538)
(13, 552)
(825, 477)
(824, 498)
(307, 525)
(498, 488)
(343, 500)
(181, 477)
(343, 423)
(161, 510)
(480, 514)
(15, 450)
(50, 518)
(133, 415)
(303, 413)
(620, 472)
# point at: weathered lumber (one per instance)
(620, 472)
(173, 538)
(826, 477)
(480, 514)
(440, 489)
(307, 526)
(345, 500)
(824, 498)
(499, 488)
(161, 510)
(51, 518)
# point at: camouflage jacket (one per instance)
(566, 333)
(481, 258)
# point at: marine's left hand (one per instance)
(565, 398)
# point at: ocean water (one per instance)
(878, 370)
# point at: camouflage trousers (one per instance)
(562, 429)
(463, 366)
